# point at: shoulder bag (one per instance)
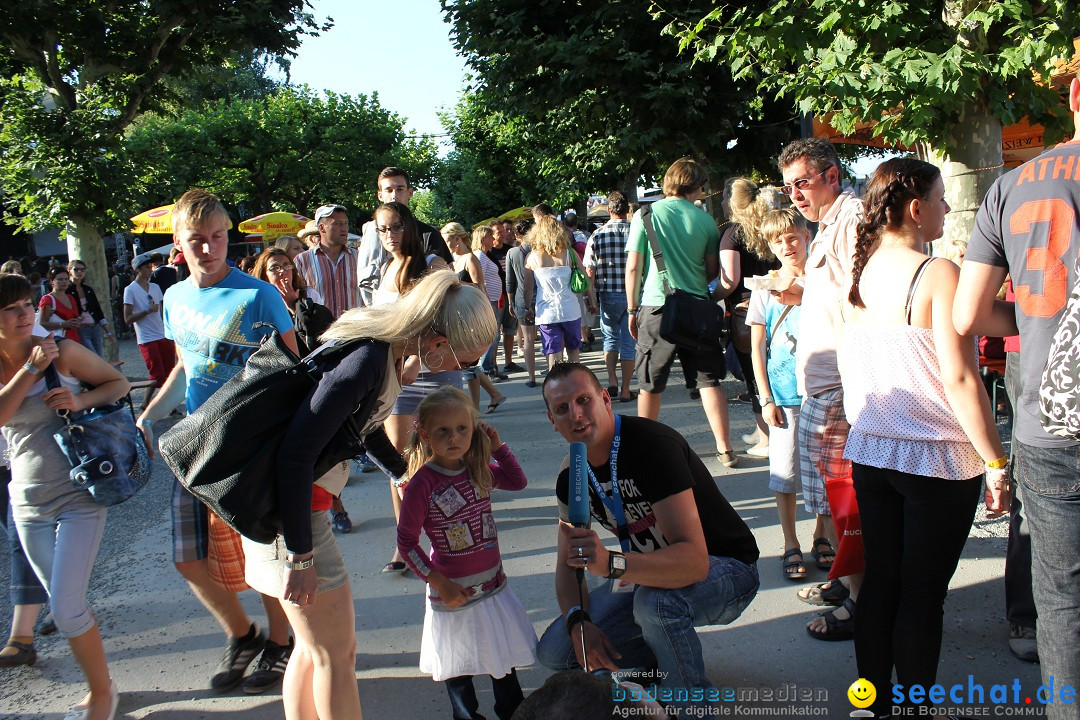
(106, 451)
(688, 321)
(579, 281)
(225, 453)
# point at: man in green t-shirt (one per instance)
(690, 242)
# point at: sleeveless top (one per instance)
(63, 312)
(40, 488)
(555, 301)
(895, 401)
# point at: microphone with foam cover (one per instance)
(578, 489)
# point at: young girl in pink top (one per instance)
(473, 625)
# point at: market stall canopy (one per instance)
(273, 225)
(486, 221)
(158, 220)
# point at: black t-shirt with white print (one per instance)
(655, 462)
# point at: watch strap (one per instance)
(302, 565)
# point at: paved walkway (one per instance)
(163, 646)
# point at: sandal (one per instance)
(831, 592)
(727, 458)
(495, 405)
(793, 569)
(835, 628)
(823, 557)
(612, 392)
(24, 655)
(394, 566)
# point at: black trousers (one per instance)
(914, 529)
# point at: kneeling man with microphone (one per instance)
(687, 559)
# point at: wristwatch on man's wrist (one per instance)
(616, 564)
(765, 400)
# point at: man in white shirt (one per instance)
(811, 171)
(142, 309)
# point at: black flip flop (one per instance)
(493, 406)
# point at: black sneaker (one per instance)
(270, 669)
(239, 652)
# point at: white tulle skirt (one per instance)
(489, 638)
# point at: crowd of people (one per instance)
(856, 347)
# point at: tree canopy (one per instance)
(78, 72)
(612, 97)
(913, 68)
(291, 150)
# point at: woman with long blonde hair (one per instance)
(744, 252)
(448, 325)
(547, 273)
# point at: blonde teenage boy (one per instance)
(774, 330)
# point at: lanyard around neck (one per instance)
(614, 502)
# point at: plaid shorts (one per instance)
(823, 432)
(190, 527)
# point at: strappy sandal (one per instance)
(823, 557)
(25, 655)
(830, 592)
(835, 628)
(793, 569)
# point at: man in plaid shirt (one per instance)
(605, 264)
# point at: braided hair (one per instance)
(894, 184)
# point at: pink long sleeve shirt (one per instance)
(460, 526)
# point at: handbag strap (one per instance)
(775, 327)
(654, 245)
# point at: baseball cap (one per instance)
(326, 211)
(139, 260)
(311, 228)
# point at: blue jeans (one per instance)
(615, 325)
(24, 586)
(655, 627)
(62, 551)
(487, 363)
(90, 336)
(1051, 484)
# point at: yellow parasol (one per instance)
(521, 213)
(274, 224)
(158, 220)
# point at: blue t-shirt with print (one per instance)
(766, 310)
(213, 328)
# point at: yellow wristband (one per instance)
(999, 463)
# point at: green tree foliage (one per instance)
(79, 72)
(914, 68)
(292, 150)
(495, 165)
(610, 96)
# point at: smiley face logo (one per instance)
(862, 693)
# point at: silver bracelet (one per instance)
(31, 368)
(302, 565)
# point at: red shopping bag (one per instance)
(845, 514)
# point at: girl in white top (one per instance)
(921, 425)
(547, 274)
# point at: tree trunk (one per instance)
(968, 171)
(84, 243)
(629, 182)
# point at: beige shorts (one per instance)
(265, 564)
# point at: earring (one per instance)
(432, 365)
(919, 226)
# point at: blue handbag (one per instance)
(106, 451)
